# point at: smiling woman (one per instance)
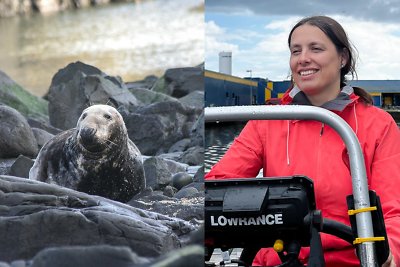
(320, 47)
(315, 62)
(320, 58)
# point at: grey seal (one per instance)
(96, 157)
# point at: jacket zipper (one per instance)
(322, 129)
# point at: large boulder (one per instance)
(43, 126)
(21, 167)
(187, 192)
(181, 179)
(35, 216)
(180, 146)
(51, 6)
(197, 132)
(82, 256)
(192, 255)
(78, 86)
(199, 175)
(10, 8)
(188, 209)
(106, 256)
(42, 137)
(159, 171)
(13, 95)
(148, 97)
(194, 99)
(156, 127)
(193, 156)
(147, 83)
(16, 137)
(179, 82)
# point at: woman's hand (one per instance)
(389, 262)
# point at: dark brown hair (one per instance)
(335, 32)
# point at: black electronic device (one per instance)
(253, 213)
(240, 211)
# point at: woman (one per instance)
(321, 56)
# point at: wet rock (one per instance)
(187, 192)
(147, 83)
(188, 256)
(199, 176)
(192, 170)
(78, 86)
(197, 236)
(10, 8)
(82, 256)
(180, 146)
(175, 156)
(41, 136)
(189, 209)
(147, 97)
(169, 191)
(21, 167)
(51, 6)
(181, 179)
(197, 132)
(159, 171)
(161, 125)
(13, 95)
(5, 165)
(105, 256)
(35, 216)
(20, 263)
(180, 81)
(193, 156)
(197, 185)
(34, 123)
(16, 137)
(194, 99)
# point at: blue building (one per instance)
(227, 90)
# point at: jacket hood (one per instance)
(346, 97)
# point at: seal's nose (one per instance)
(88, 134)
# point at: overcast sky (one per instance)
(256, 32)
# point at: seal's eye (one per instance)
(84, 116)
(108, 117)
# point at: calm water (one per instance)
(125, 39)
(218, 138)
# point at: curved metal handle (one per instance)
(357, 166)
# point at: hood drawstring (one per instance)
(287, 143)
(355, 118)
(322, 129)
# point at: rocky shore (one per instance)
(48, 225)
(10, 8)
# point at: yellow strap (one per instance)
(278, 245)
(360, 240)
(352, 212)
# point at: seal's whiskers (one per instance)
(111, 142)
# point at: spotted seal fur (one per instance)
(96, 157)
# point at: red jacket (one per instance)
(285, 148)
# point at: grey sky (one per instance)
(375, 10)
